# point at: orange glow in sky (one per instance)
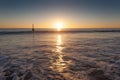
(50, 13)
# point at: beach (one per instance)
(60, 56)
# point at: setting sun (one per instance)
(59, 26)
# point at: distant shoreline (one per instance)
(53, 30)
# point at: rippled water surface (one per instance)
(60, 56)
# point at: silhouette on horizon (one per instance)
(33, 30)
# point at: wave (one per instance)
(28, 31)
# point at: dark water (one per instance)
(60, 56)
(9, 31)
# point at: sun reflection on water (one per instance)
(59, 40)
(58, 63)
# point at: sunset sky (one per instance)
(72, 13)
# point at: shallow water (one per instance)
(60, 56)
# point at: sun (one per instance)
(59, 26)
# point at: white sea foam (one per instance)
(60, 56)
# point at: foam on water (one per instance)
(60, 56)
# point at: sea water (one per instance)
(79, 55)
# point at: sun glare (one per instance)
(59, 26)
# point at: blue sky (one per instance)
(74, 13)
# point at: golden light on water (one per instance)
(58, 63)
(59, 40)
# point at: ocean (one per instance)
(71, 54)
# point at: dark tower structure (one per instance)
(33, 30)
